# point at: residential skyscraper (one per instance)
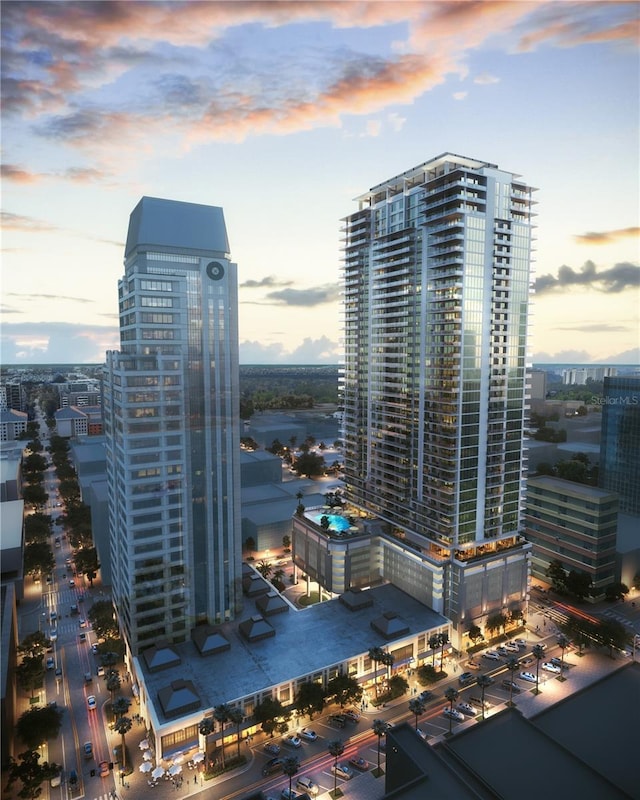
(171, 418)
(620, 441)
(435, 389)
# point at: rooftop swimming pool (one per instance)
(336, 521)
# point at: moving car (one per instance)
(56, 780)
(53, 634)
(87, 748)
(73, 778)
(88, 677)
(426, 695)
(272, 748)
(273, 765)
(51, 663)
(307, 735)
(82, 637)
(100, 671)
(528, 676)
(454, 714)
(342, 771)
(103, 766)
(94, 649)
(308, 786)
(549, 667)
(359, 763)
(82, 622)
(91, 702)
(53, 616)
(58, 673)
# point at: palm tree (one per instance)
(336, 749)
(483, 681)
(379, 727)
(264, 568)
(563, 643)
(120, 706)
(417, 707)
(443, 639)
(290, 765)
(452, 695)
(376, 654)
(388, 660)
(122, 726)
(113, 684)
(538, 654)
(434, 642)
(221, 713)
(205, 729)
(512, 666)
(236, 716)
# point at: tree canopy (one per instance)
(39, 724)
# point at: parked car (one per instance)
(467, 709)
(549, 667)
(91, 702)
(558, 662)
(82, 637)
(74, 610)
(359, 763)
(88, 677)
(511, 686)
(477, 701)
(94, 649)
(528, 676)
(342, 771)
(512, 647)
(339, 720)
(308, 735)
(466, 679)
(473, 665)
(491, 655)
(285, 794)
(58, 673)
(292, 741)
(272, 748)
(51, 664)
(82, 622)
(56, 780)
(73, 778)
(423, 697)
(502, 651)
(308, 786)
(87, 748)
(352, 715)
(273, 765)
(100, 671)
(72, 583)
(454, 714)
(520, 642)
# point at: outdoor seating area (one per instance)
(168, 769)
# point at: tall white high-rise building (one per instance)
(171, 412)
(435, 384)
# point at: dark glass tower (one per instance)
(620, 441)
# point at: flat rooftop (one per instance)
(306, 641)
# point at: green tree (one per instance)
(34, 496)
(38, 559)
(398, 686)
(309, 465)
(123, 726)
(496, 622)
(512, 665)
(434, 642)
(290, 766)
(444, 641)
(120, 706)
(30, 773)
(563, 643)
(269, 714)
(544, 468)
(37, 527)
(86, 560)
(538, 654)
(483, 681)
(556, 574)
(34, 645)
(578, 583)
(33, 464)
(113, 683)
(205, 729)
(309, 698)
(336, 749)
(616, 591)
(344, 689)
(264, 568)
(30, 673)
(103, 621)
(236, 717)
(380, 728)
(39, 724)
(474, 633)
(376, 655)
(451, 694)
(221, 714)
(613, 635)
(286, 543)
(417, 708)
(572, 471)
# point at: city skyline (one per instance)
(281, 113)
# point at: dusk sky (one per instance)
(282, 113)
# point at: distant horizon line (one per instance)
(50, 365)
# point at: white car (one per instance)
(91, 702)
(292, 741)
(308, 786)
(528, 676)
(549, 667)
(307, 735)
(467, 709)
(512, 647)
(454, 714)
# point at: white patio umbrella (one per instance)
(145, 767)
(158, 772)
(176, 769)
(178, 759)
(198, 757)
(144, 744)
(147, 755)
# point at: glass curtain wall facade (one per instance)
(620, 441)
(171, 412)
(436, 269)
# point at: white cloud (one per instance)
(485, 78)
(396, 122)
(460, 95)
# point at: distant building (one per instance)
(620, 441)
(12, 424)
(580, 375)
(71, 422)
(574, 524)
(538, 384)
(13, 395)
